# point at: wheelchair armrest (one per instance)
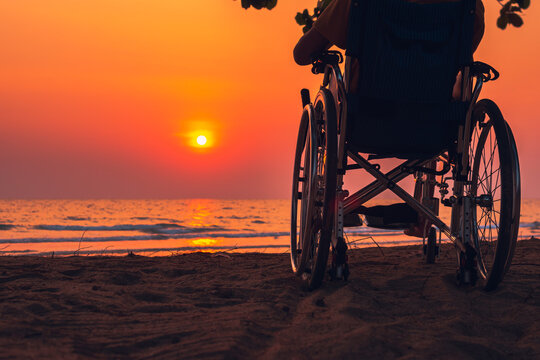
(320, 61)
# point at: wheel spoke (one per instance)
(494, 222)
(496, 182)
(497, 187)
(483, 214)
(487, 175)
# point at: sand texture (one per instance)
(227, 306)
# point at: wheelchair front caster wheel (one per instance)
(340, 267)
(467, 274)
(465, 277)
(431, 249)
(339, 272)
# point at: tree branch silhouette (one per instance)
(510, 12)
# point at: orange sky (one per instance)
(101, 98)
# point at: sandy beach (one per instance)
(227, 305)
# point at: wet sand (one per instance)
(251, 306)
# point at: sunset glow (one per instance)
(107, 98)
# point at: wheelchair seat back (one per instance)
(409, 55)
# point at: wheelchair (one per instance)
(475, 167)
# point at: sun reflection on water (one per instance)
(204, 242)
(200, 212)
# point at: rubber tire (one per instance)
(324, 105)
(297, 192)
(493, 271)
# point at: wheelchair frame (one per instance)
(462, 230)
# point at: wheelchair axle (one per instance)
(485, 201)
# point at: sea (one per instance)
(169, 227)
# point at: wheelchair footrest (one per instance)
(394, 216)
(351, 220)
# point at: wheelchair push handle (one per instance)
(320, 61)
(306, 98)
(485, 71)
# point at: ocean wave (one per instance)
(7, 226)
(27, 251)
(155, 218)
(186, 230)
(76, 218)
(175, 231)
(172, 232)
(147, 228)
(535, 225)
(143, 237)
(187, 233)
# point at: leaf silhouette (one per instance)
(300, 19)
(259, 4)
(270, 4)
(515, 20)
(524, 4)
(246, 4)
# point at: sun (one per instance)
(200, 136)
(201, 140)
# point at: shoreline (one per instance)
(245, 305)
(358, 242)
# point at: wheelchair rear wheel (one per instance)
(314, 190)
(495, 187)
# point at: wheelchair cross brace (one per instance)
(376, 187)
(389, 181)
